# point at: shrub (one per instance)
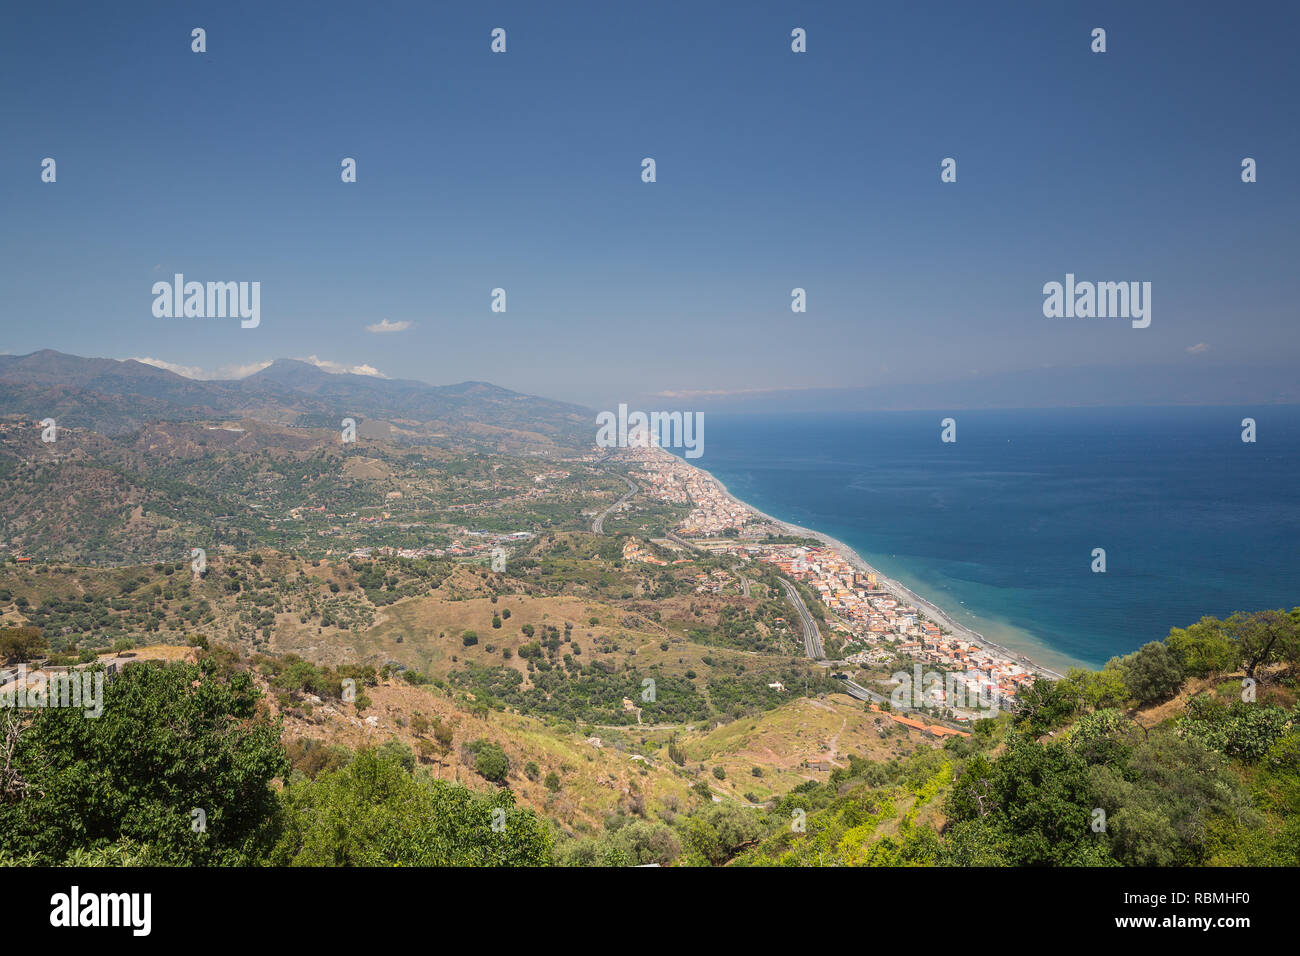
(1152, 674)
(491, 763)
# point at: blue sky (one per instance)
(775, 170)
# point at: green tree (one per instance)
(1046, 704)
(676, 754)
(491, 762)
(171, 739)
(1032, 806)
(1152, 673)
(1203, 648)
(713, 836)
(1162, 803)
(1275, 790)
(397, 751)
(1265, 637)
(375, 813)
(19, 644)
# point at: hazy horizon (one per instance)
(1079, 387)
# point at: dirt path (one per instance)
(834, 743)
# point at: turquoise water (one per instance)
(998, 528)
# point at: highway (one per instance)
(812, 641)
(861, 693)
(598, 526)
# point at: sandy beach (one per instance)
(900, 591)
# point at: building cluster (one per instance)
(711, 582)
(880, 628)
(713, 511)
(877, 625)
(550, 475)
(632, 551)
(932, 730)
(467, 544)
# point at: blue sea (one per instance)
(998, 528)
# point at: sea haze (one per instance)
(998, 528)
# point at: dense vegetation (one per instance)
(1075, 779)
(1186, 752)
(182, 769)
(153, 494)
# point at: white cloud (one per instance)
(386, 326)
(243, 370)
(224, 372)
(338, 368)
(189, 371)
(1198, 348)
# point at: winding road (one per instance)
(598, 525)
(812, 640)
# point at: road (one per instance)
(685, 544)
(861, 693)
(812, 641)
(598, 526)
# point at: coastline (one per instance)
(899, 590)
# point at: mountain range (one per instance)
(115, 397)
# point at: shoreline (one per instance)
(899, 590)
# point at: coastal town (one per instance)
(877, 619)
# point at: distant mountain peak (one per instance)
(113, 396)
(286, 369)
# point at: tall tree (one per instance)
(1265, 637)
(172, 739)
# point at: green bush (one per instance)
(491, 762)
